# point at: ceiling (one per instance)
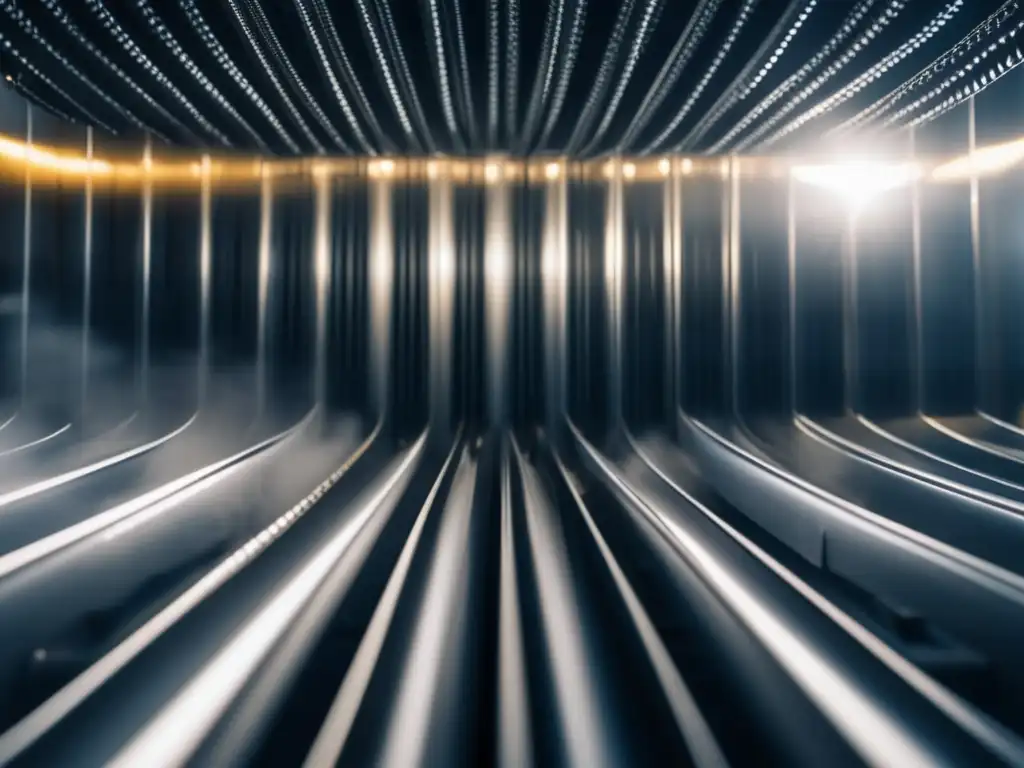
(576, 77)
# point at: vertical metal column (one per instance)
(205, 279)
(672, 245)
(980, 326)
(322, 184)
(147, 272)
(86, 279)
(382, 267)
(555, 267)
(614, 255)
(917, 331)
(726, 309)
(497, 292)
(26, 264)
(441, 258)
(851, 351)
(793, 309)
(734, 296)
(263, 289)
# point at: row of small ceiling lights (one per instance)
(743, 84)
(761, 126)
(982, 161)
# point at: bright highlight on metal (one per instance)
(858, 183)
(15, 155)
(986, 161)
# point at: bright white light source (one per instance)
(608, 170)
(687, 165)
(664, 166)
(629, 170)
(551, 170)
(857, 182)
(386, 167)
(982, 162)
(492, 171)
(432, 169)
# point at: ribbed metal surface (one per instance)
(578, 471)
(584, 467)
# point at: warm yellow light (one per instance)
(9, 78)
(982, 162)
(381, 168)
(51, 161)
(857, 182)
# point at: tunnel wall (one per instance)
(723, 293)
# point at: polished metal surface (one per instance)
(425, 461)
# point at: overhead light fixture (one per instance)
(382, 168)
(687, 165)
(629, 170)
(9, 78)
(432, 169)
(551, 170)
(857, 182)
(492, 172)
(664, 166)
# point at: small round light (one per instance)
(629, 170)
(492, 171)
(664, 166)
